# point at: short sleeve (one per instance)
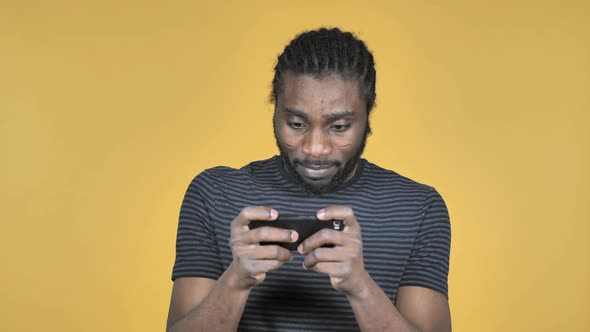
(428, 264)
(197, 252)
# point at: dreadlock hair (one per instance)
(328, 51)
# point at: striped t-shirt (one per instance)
(404, 226)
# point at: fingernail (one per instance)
(294, 236)
(274, 214)
(321, 213)
(300, 249)
(305, 268)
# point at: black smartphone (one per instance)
(304, 225)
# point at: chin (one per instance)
(317, 182)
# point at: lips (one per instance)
(316, 171)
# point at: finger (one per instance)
(249, 213)
(264, 234)
(270, 234)
(332, 269)
(257, 267)
(322, 255)
(336, 271)
(320, 238)
(266, 252)
(340, 212)
(256, 213)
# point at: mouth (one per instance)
(316, 172)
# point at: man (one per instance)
(392, 278)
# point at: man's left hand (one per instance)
(343, 262)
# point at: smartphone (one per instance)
(304, 225)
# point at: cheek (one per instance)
(289, 146)
(288, 140)
(349, 142)
(343, 149)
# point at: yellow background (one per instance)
(109, 108)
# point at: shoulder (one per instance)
(386, 180)
(215, 177)
(412, 193)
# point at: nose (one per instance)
(316, 143)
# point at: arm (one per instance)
(418, 308)
(202, 304)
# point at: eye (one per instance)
(296, 125)
(340, 127)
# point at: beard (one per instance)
(344, 168)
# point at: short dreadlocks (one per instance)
(328, 51)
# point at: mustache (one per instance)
(316, 163)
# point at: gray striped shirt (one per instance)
(405, 230)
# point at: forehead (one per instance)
(308, 92)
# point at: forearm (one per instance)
(374, 311)
(220, 310)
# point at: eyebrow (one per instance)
(330, 117)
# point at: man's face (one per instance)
(321, 129)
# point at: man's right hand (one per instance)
(251, 260)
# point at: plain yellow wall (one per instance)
(109, 108)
